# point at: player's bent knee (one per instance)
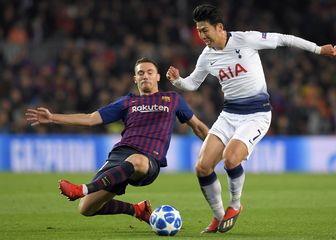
(202, 170)
(140, 165)
(87, 213)
(83, 210)
(230, 163)
(232, 159)
(86, 209)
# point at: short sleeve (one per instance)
(183, 111)
(113, 112)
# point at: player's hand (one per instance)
(173, 74)
(328, 50)
(38, 116)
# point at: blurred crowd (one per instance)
(78, 55)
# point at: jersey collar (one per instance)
(228, 35)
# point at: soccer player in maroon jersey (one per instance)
(137, 158)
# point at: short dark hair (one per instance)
(208, 12)
(146, 60)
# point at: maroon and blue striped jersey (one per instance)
(148, 120)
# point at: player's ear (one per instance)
(134, 78)
(220, 26)
(158, 77)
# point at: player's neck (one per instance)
(147, 93)
(222, 42)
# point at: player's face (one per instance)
(210, 34)
(146, 77)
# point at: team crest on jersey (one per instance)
(166, 98)
(264, 35)
(238, 52)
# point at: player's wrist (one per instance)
(175, 81)
(317, 50)
(51, 119)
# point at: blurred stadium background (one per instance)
(78, 55)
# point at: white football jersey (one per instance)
(238, 67)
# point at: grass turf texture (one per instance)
(284, 206)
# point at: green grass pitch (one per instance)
(279, 206)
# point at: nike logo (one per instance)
(212, 63)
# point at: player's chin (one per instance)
(146, 88)
(208, 44)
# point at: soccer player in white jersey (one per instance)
(233, 58)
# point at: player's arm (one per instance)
(193, 81)
(44, 116)
(198, 127)
(293, 41)
(186, 115)
(258, 40)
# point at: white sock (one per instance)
(85, 189)
(213, 194)
(235, 189)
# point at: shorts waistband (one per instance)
(259, 103)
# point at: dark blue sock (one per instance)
(112, 177)
(235, 172)
(207, 180)
(116, 207)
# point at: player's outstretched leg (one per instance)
(110, 177)
(143, 210)
(212, 227)
(71, 191)
(229, 219)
